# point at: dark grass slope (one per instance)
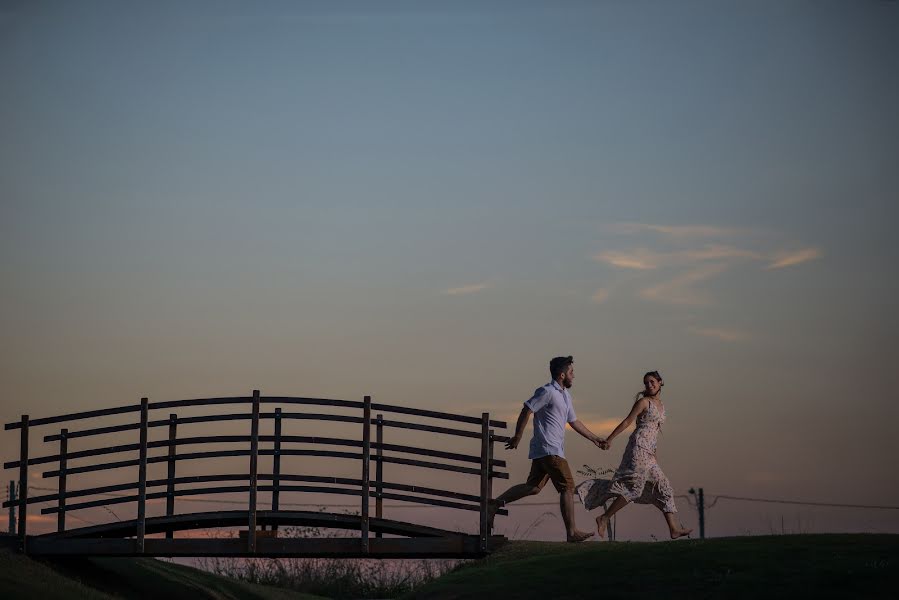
(107, 578)
(786, 566)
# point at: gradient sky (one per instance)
(426, 201)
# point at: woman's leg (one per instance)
(663, 498)
(675, 529)
(602, 521)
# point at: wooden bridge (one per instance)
(378, 537)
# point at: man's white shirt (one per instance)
(552, 408)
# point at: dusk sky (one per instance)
(426, 201)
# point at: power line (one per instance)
(830, 504)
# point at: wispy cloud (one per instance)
(724, 335)
(640, 258)
(789, 259)
(682, 248)
(645, 259)
(466, 289)
(678, 231)
(718, 252)
(600, 296)
(681, 290)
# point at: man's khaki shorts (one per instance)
(554, 468)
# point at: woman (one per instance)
(639, 462)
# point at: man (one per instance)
(552, 409)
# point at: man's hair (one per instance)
(558, 365)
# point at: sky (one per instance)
(426, 201)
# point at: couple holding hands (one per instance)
(637, 479)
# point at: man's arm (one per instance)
(582, 429)
(523, 418)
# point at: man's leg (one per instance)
(561, 477)
(536, 480)
(517, 492)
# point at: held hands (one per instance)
(601, 443)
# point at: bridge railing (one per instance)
(277, 445)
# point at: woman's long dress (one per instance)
(639, 478)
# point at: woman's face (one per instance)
(651, 385)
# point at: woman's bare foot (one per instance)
(579, 536)
(602, 525)
(676, 533)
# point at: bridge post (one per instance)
(254, 473)
(366, 462)
(63, 450)
(12, 508)
(276, 465)
(379, 470)
(170, 476)
(23, 485)
(142, 479)
(490, 472)
(485, 480)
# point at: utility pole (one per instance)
(12, 508)
(700, 506)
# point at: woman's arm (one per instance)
(639, 407)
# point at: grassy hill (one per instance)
(820, 566)
(797, 566)
(108, 578)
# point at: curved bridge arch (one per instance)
(260, 538)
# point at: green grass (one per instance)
(797, 566)
(107, 578)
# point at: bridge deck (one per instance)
(116, 539)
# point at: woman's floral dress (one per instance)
(639, 478)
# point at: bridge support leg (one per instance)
(485, 481)
(23, 486)
(366, 464)
(170, 487)
(379, 470)
(254, 473)
(276, 466)
(63, 450)
(142, 478)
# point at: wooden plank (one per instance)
(254, 473)
(63, 447)
(170, 475)
(200, 402)
(312, 401)
(433, 414)
(151, 460)
(432, 429)
(90, 414)
(437, 547)
(237, 518)
(142, 478)
(245, 400)
(366, 469)
(243, 438)
(284, 452)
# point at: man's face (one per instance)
(568, 376)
